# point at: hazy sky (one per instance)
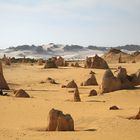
(83, 22)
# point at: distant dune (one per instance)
(66, 51)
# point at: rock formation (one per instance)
(71, 84)
(96, 62)
(59, 121)
(76, 96)
(109, 83)
(60, 61)
(90, 81)
(124, 78)
(93, 93)
(114, 108)
(21, 93)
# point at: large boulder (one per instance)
(59, 121)
(109, 83)
(3, 83)
(96, 62)
(99, 63)
(124, 78)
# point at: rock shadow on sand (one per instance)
(44, 129)
(96, 101)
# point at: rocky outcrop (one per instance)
(59, 121)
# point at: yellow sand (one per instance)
(26, 119)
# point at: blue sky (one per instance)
(83, 22)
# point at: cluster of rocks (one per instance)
(121, 81)
(54, 62)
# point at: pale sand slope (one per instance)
(26, 119)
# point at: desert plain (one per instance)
(27, 118)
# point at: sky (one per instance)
(82, 22)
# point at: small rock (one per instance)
(114, 108)
(93, 93)
(63, 86)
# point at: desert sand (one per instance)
(27, 118)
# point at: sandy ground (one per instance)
(26, 119)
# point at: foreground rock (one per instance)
(3, 83)
(21, 93)
(59, 121)
(121, 81)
